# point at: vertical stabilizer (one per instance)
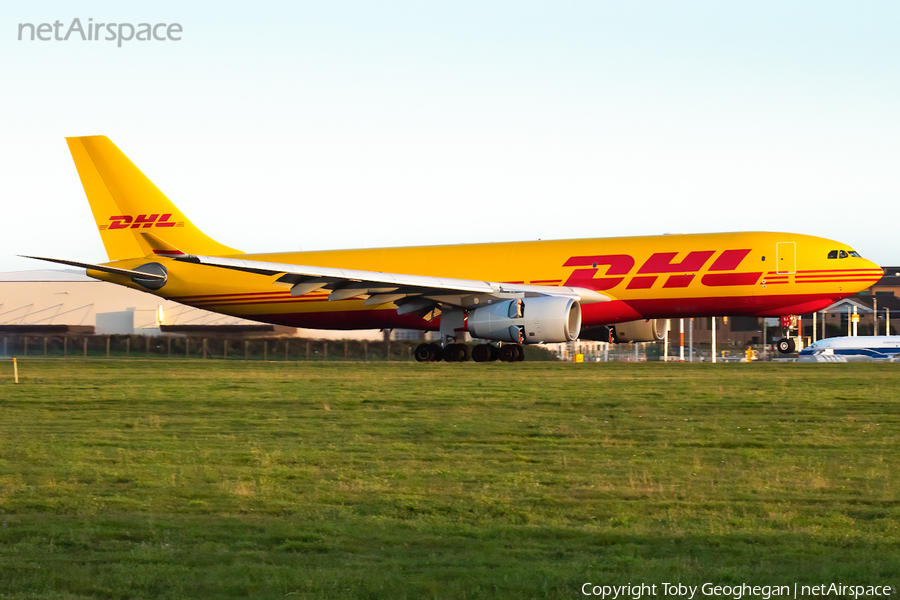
(125, 203)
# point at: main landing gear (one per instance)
(461, 353)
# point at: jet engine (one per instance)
(528, 321)
(645, 330)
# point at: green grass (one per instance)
(188, 479)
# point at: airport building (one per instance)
(67, 301)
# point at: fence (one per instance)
(301, 349)
(654, 351)
(174, 347)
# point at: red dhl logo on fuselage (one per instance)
(617, 266)
(145, 221)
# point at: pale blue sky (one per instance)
(277, 126)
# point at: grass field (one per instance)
(191, 479)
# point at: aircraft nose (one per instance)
(871, 276)
(871, 265)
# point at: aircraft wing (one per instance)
(411, 293)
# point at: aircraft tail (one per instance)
(126, 205)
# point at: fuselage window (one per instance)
(832, 254)
(855, 254)
(844, 254)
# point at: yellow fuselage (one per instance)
(668, 276)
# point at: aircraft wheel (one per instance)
(495, 352)
(509, 353)
(521, 355)
(437, 353)
(481, 353)
(456, 353)
(452, 353)
(423, 353)
(786, 345)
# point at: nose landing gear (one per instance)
(786, 345)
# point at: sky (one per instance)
(280, 126)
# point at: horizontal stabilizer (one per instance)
(105, 269)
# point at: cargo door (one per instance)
(786, 258)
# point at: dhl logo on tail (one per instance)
(145, 221)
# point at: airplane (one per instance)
(506, 294)
(852, 348)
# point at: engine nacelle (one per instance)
(528, 321)
(645, 330)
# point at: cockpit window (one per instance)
(844, 254)
(855, 254)
(832, 254)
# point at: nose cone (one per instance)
(873, 266)
(870, 273)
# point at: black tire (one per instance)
(509, 352)
(449, 353)
(521, 356)
(454, 352)
(786, 345)
(481, 353)
(437, 353)
(463, 352)
(495, 352)
(423, 353)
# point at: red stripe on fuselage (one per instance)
(299, 299)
